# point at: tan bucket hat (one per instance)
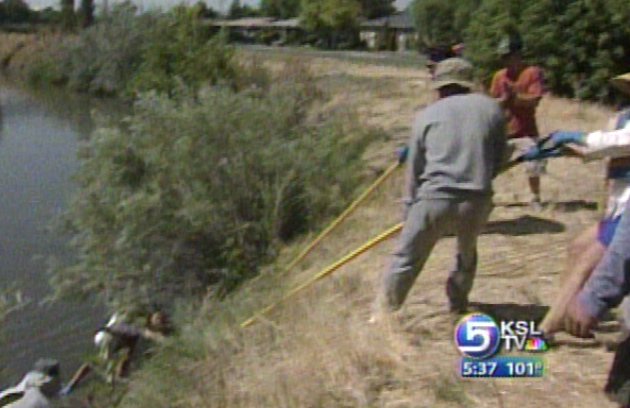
(622, 83)
(453, 71)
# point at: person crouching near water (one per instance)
(118, 342)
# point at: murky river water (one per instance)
(39, 137)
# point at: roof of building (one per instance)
(400, 21)
(290, 23)
(249, 22)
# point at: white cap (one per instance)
(102, 339)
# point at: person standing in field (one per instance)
(455, 151)
(519, 88)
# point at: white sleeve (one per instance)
(615, 143)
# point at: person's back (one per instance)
(457, 146)
(31, 398)
(455, 150)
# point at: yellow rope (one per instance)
(325, 272)
(388, 172)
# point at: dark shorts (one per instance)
(606, 231)
(618, 385)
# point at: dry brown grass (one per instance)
(20, 52)
(319, 350)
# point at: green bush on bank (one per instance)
(179, 50)
(126, 53)
(198, 189)
(101, 59)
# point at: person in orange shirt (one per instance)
(519, 89)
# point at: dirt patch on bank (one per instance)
(20, 52)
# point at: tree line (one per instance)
(580, 43)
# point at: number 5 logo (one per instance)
(477, 336)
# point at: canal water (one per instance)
(39, 138)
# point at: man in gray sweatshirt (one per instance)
(455, 151)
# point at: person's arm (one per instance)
(610, 281)
(501, 90)
(600, 144)
(78, 376)
(416, 161)
(499, 139)
(535, 90)
(153, 335)
(607, 286)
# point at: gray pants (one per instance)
(427, 221)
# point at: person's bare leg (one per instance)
(576, 250)
(534, 187)
(580, 266)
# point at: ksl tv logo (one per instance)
(478, 335)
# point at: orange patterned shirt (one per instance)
(530, 82)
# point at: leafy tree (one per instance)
(15, 11)
(492, 20)
(442, 23)
(237, 10)
(203, 11)
(582, 47)
(68, 16)
(280, 8)
(333, 21)
(48, 15)
(86, 13)
(178, 50)
(581, 44)
(377, 8)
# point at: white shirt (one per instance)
(612, 144)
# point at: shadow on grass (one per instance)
(524, 225)
(512, 311)
(561, 206)
(575, 205)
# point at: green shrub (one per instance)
(178, 50)
(492, 20)
(103, 58)
(199, 189)
(442, 23)
(127, 53)
(581, 44)
(582, 47)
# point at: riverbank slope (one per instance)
(318, 350)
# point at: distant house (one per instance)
(244, 28)
(289, 30)
(261, 28)
(393, 32)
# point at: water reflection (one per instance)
(39, 133)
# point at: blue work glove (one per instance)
(536, 153)
(561, 137)
(402, 153)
